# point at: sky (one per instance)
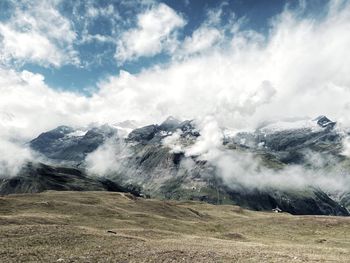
(91, 32)
(240, 62)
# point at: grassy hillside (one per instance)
(117, 227)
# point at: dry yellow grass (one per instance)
(116, 227)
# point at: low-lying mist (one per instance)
(12, 157)
(236, 167)
(107, 158)
(244, 168)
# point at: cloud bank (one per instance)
(299, 69)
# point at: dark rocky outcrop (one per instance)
(60, 144)
(34, 178)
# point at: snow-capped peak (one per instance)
(314, 125)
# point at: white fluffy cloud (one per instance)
(202, 39)
(209, 34)
(37, 33)
(28, 105)
(301, 69)
(13, 157)
(155, 32)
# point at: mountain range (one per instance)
(155, 161)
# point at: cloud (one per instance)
(13, 157)
(250, 77)
(209, 141)
(242, 169)
(208, 35)
(299, 69)
(89, 15)
(37, 33)
(155, 33)
(94, 12)
(107, 158)
(28, 106)
(202, 39)
(346, 147)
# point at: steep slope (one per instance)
(291, 141)
(67, 144)
(34, 178)
(163, 173)
(160, 171)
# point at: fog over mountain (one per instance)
(245, 102)
(299, 166)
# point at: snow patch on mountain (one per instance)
(77, 133)
(287, 125)
(314, 125)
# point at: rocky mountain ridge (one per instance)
(147, 163)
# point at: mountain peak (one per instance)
(170, 123)
(324, 122)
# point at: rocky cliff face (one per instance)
(67, 144)
(163, 172)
